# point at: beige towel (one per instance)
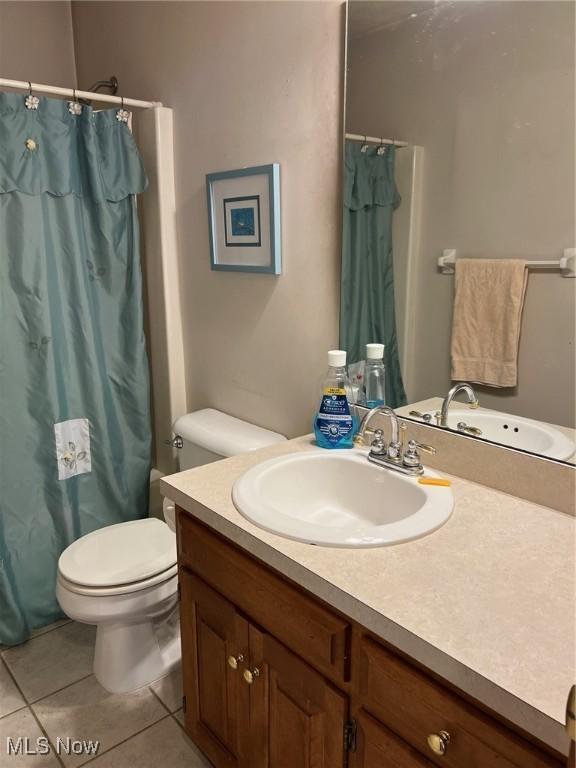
(488, 302)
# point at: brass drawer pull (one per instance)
(251, 674)
(438, 742)
(233, 661)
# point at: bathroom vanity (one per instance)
(449, 650)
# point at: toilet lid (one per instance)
(119, 554)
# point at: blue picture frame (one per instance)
(235, 225)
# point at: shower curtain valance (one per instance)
(369, 178)
(51, 150)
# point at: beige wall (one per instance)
(250, 83)
(36, 42)
(488, 90)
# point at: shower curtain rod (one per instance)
(375, 140)
(71, 93)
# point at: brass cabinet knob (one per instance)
(251, 674)
(571, 714)
(438, 742)
(233, 661)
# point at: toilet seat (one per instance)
(120, 558)
(118, 589)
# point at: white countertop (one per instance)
(487, 601)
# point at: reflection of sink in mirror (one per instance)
(514, 431)
(339, 499)
(550, 440)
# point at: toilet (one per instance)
(123, 578)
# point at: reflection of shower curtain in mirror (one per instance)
(74, 405)
(367, 311)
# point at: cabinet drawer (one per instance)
(414, 706)
(377, 747)
(300, 622)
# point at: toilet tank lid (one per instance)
(223, 434)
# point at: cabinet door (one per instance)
(217, 699)
(297, 717)
(377, 747)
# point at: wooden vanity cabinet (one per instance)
(249, 700)
(273, 678)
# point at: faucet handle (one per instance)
(415, 445)
(426, 417)
(359, 438)
(411, 456)
(378, 445)
(463, 427)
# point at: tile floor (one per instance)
(47, 690)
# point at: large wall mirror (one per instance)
(460, 158)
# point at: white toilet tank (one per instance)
(209, 435)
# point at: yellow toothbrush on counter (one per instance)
(435, 481)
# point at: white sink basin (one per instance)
(515, 431)
(339, 499)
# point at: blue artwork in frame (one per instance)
(244, 219)
(242, 222)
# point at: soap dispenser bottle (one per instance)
(334, 424)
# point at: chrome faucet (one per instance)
(463, 387)
(395, 445)
(392, 456)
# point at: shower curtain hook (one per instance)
(74, 107)
(381, 148)
(364, 147)
(122, 115)
(31, 101)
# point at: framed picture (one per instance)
(244, 219)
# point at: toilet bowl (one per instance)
(123, 578)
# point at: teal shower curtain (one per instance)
(74, 400)
(367, 311)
